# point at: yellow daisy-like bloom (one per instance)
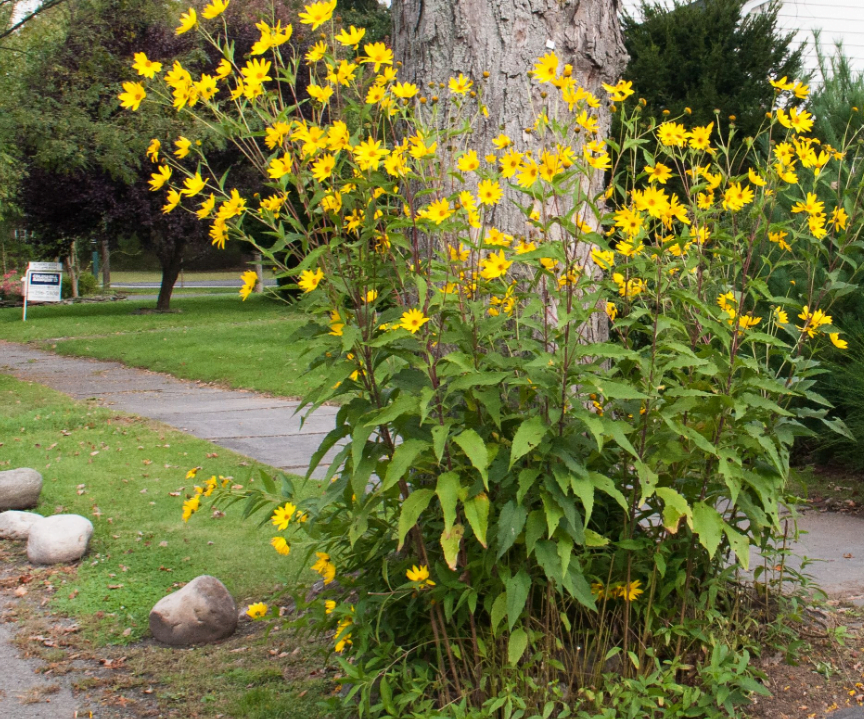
(811, 205)
(837, 342)
(737, 196)
(378, 54)
(459, 85)
(188, 20)
(620, 91)
(132, 96)
(282, 516)
(193, 185)
(672, 134)
(281, 545)
(489, 192)
(329, 606)
(546, 68)
(317, 13)
(370, 296)
(781, 316)
(839, 218)
(257, 610)
(413, 320)
(190, 506)
(324, 567)
(755, 178)
(192, 472)
(745, 322)
(183, 147)
(468, 162)
(782, 84)
(700, 137)
(310, 280)
(611, 311)
(659, 173)
(159, 178)
(343, 637)
(494, 266)
(420, 575)
(153, 150)
(404, 90)
(437, 211)
(604, 259)
(206, 207)
(369, 153)
(323, 167)
(173, 198)
(256, 71)
(630, 592)
(800, 121)
(502, 142)
(250, 279)
(320, 94)
(351, 38)
(813, 320)
(214, 9)
(144, 66)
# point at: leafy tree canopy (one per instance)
(705, 56)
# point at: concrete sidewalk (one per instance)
(267, 429)
(261, 427)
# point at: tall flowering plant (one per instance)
(520, 501)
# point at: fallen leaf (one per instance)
(847, 556)
(115, 586)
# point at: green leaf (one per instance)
(516, 646)
(534, 529)
(740, 545)
(447, 490)
(439, 439)
(517, 588)
(647, 481)
(577, 585)
(450, 541)
(617, 390)
(267, 481)
(528, 436)
(583, 489)
(675, 507)
(511, 521)
(477, 379)
(616, 431)
(412, 508)
(477, 514)
(403, 458)
(593, 539)
(474, 448)
(403, 404)
(359, 437)
(499, 609)
(708, 524)
(552, 512)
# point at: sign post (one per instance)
(42, 283)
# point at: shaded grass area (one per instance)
(121, 472)
(213, 338)
(122, 276)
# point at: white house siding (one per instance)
(838, 19)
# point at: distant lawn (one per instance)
(214, 338)
(122, 276)
(119, 472)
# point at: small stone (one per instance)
(19, 488)
(59, 538)
(16, 525)
(200, 613)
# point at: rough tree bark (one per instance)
(171, 260)
(437, 39)
(106, 264)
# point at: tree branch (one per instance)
(47, 5)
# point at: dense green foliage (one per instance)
(705, 56)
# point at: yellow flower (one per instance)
(188, 20)
(323, 167)
(811, 205)
(257, 611)
(374, 95)
(510, 163)
(672, 134)
(745, 322)
(404, 90)
(460, 85)
(629, 221)
(546, 68)
(174, 198)
(144, 66)
(628, 288)
(736, 197)
(782, 84)
(502, 142)
(460, 254)
(281, 546)
(495, 265)
(183, 146)
(192, 472)
(317, 13)
(271, 37)
(256, 71)
(370, 296)
(801, 121)
(489, 192)
(468, 162)
(839, 218)
(620, 91)
(700, 137)
(437, 211)
(813, 320)
(352, 37)
(420, 575)
(413, 320)
(611, 311)
(659, 173)
(778, 238)
(324, 567)
(318, 50)
(652, 200)
(282, 516)
(781, 316)
(336, 324)
(223, 69)
(132, 96)
(529, 172)
(604, 259)
(378, 54)
(190, 506)
(343, 637)
(215, 9)
(193, 185)
(369, 153)
(329, 606)
(837, 342)
(250, 279)
(159, 178)
(309, 280)
(630, 592)
(755, 178)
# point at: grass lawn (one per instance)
(122, 276)
(214, 338)
(120, 472)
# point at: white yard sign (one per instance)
(42, 283)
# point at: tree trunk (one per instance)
(259, 270)
(171, 266)
(72, 269)
(438, 39)
(106, 265)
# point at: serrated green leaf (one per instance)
(675, 507)
(477, 514)
(412, 508)
(450, 542)
(517, 588)
(447, 489)
(708, 525)
(516, 645)
(528, 436)
(404, 456)
(475, 449)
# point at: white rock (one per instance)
(16, 525)
(19, 488)
(201, 612)
(59, 538)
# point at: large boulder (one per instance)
(19, 488)
(201, 612)
(59, 538)
(16, 525)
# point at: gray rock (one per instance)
(59, 538)
(847, 713)
(19, 488)
(16, 525)
(200, 613)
